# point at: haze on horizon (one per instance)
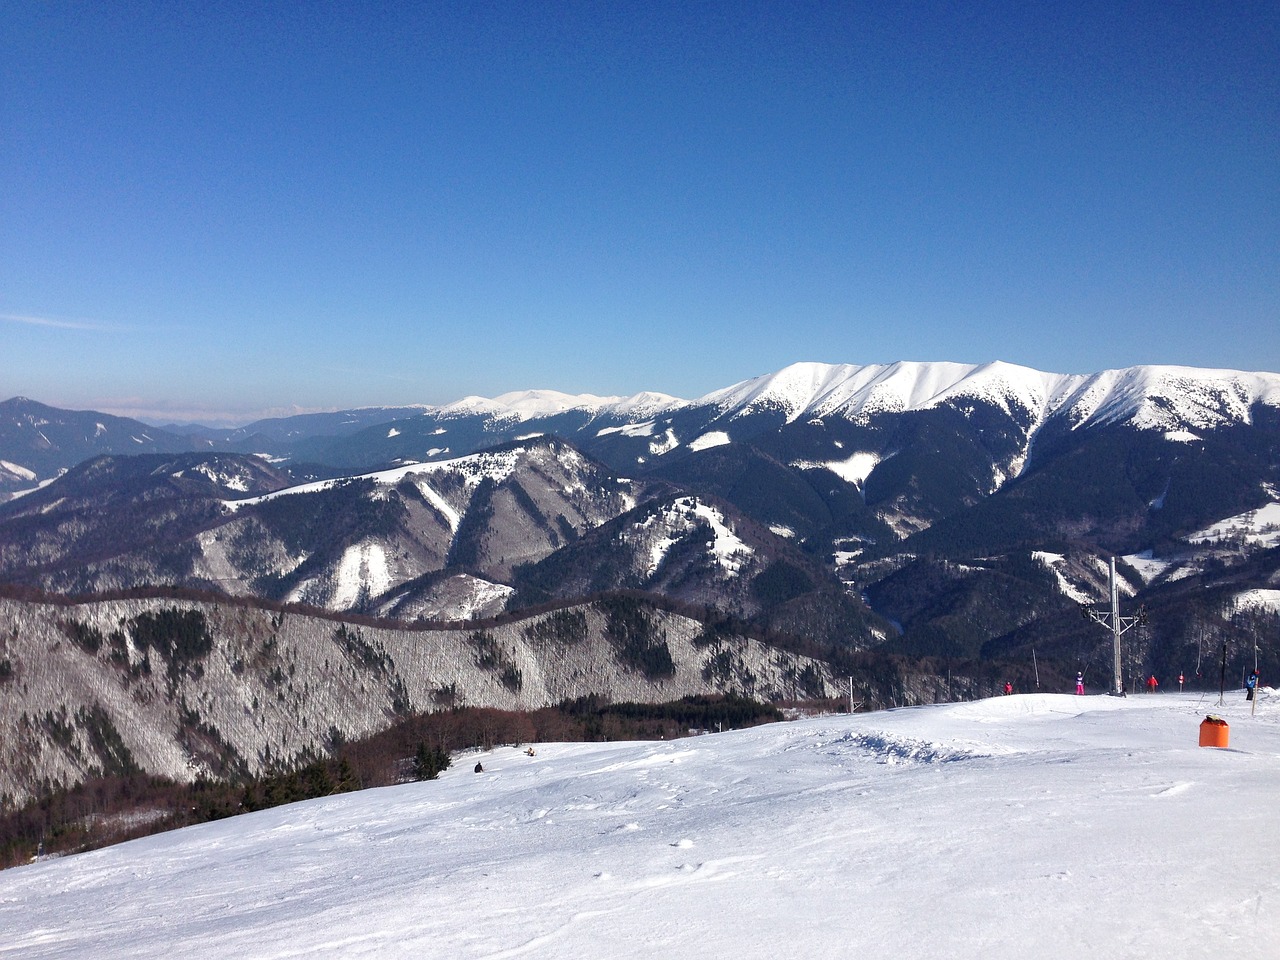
(214, 214)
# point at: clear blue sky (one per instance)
(213, 209)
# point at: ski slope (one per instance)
(1027, 826)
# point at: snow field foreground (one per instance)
(1026, 826)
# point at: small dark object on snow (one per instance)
(479, 768)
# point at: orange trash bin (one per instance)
(1214, 732)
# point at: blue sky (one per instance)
(212, 210)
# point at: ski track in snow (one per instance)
(1047, 826)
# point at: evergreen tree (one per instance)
(429, 762)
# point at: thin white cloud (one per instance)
(54, 322)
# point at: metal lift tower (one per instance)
(1118, 625)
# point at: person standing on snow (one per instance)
(1251, 684)
(1008, 688)
(1079, 684)
(1152, 683)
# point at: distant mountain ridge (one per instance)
(837, 480)
(1152, 397)
(37, 440)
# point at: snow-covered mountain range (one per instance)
(926, 509)
(641, 431)
(456, 512)
(36, 441)
(946, 519)
(1150, 397)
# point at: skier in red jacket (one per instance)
(1152, 683)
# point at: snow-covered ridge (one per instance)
(1168, 398)
(494, 465)
(1149, 397)
(528, 404)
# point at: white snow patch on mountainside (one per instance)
(1123, 586)
(1147, 566)
(1051, 562)
(1040, 825)
(1258, 599)
(670, 525)
(664, 444)
(716, 438)
(231, 481)
(629, 429)
(362, 569)
(1259, 527)
(729, 550)
(853, 469)
(483, 596)
(21, 472)
(452, 517)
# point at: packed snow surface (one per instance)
(1041, 826)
